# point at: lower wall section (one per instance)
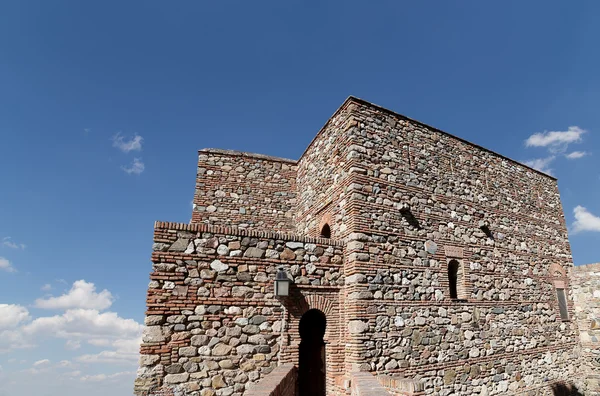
(281, 382)
(214, 327)
(366, 384)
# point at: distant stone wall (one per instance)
(585, 288)
(213, 324)
(250, 191)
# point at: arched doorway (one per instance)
(311, 364)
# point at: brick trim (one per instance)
(202, 227)
(235, 153)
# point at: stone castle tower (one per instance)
(419, 263)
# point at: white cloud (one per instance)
(12, 315)
(541, 164)
(584, 220)
(65, 363)
(556, 141)
(46, 287)
(112, 357)
(104, 377)
(82, 295)
(99, 342)
(75, 373)
(6, 265)
(84, 324)
(126, 352)
(133, 144)
(72, 345)
(13, 339)
(8, 242)
(576, 155)
(116, 339)
(136, 167)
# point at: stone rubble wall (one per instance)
(322, 180)
(402, 199)
(213, 326)
(585, 288)
(418, 199)
(280, 382)
(250, 191)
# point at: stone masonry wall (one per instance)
(585, 284)
(405, 203)
(249, 191)
(213, 326)
(420, 198)
(322, 180)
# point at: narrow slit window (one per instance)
(453, 278)
(562, 304)
(326, 231)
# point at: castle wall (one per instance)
(408, 205)
(250, 191)
(212, 322)
(417, 204)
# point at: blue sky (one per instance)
(103, 106)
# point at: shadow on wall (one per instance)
(565, 390)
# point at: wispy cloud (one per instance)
(541, 164)
(556, 141)
(576, 155)
(86, 130)
(46, 287)
(127, 145)
(105, 377)
(41, 362)
(584, 220)
(8, 242)
(136, 167)
(6, 265)
(72, 345)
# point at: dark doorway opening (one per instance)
(311, 365)
(326, 231)
(453, 278)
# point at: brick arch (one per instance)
(560, 280)
(319, 302)
(554, 268)
(311, 301)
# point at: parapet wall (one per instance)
(212, 322)
(249, 191)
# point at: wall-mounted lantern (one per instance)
(282, 283)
